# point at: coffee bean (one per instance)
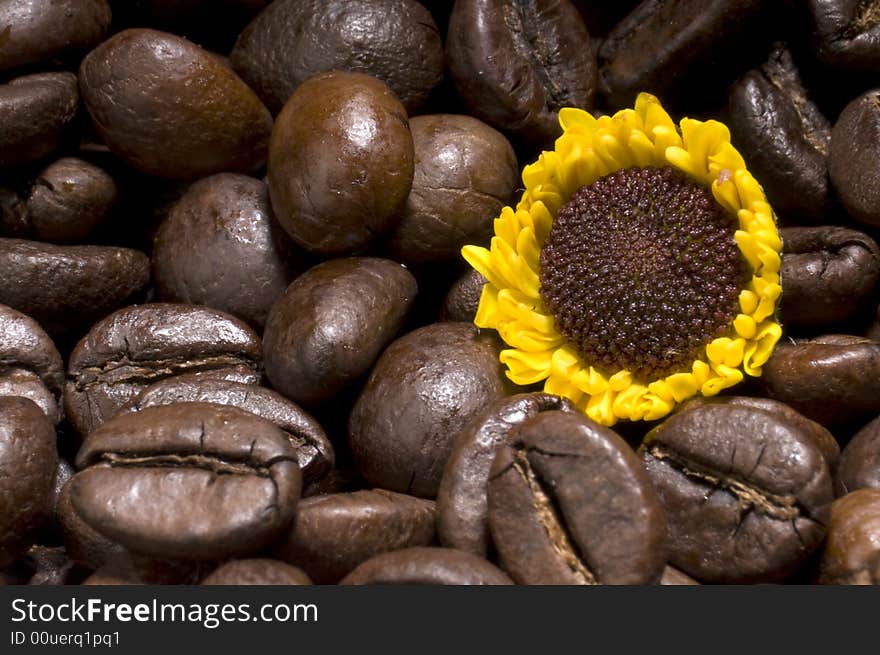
(860, 461)
(340, 162)
(746, 492)
(170, 109)
(463, 298)
(425, 388)
(854, 159)
(292, 40)
(828, 273)
(187, 481)
(27, 469)
(852, 549)
(329, 327)
(136, 346)
(334, 533)
(516, 64)
(462, 500)
(257, 572)
(427, 566)
(569, 503)
(847, 34)
(465, 172)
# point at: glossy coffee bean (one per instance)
(425, 388)
(136, 346)
(340, 162)
(829, 274)
(329, 327)
(171, 109)
(28, 460)
(67, 288)
(334, 533)
(427, 566)
(462, 500)
(746, 492)
(314, 452)
(463, 298)
(292, 40)
(852, 549)
(569, 503)
(860, 461)
(256, 572)
(37, 111)
(784, 138)
(846, 34)
(516, 64)
(832, 379)
(223, 218)
(39, 30)
(188, 481)
(465, 172)
(854, 159)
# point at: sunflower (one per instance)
(639, 268)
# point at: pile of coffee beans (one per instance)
(236, 333)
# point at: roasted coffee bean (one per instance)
(223, 218)
(340, 162)
(427, 566)
(314, 452)
(257, 572)
(516, 64)
(329, 327)
(747, 492)
(292, 40)
(860, 461)
(66, 288)
(66, 202)
(187, 481)
(847, 33)
(828, 272)
(137, 346)
(425, 388)
(784, 138)
(37, 110)
(569, 503)
(462, 500)
(465, 172)
(463, 298)
(852, 548)
(28, 460)
(854, 159)
(171, 109)
(833, 379)
(673, 577)
(334, 533)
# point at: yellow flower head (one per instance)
(639, 268)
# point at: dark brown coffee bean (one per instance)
(516, 64)
(314, 452)
(28, 460)
(465, 172)
(673, 577)
(463, 298)
(569, 503)
(171, 109)
(747, 492)
(292, 40)
(37, 110)
(832, 379)
(333, 534)
(340, 162)
(137, 346)
(257, 572)
(828, 272)
(219, 246)
(462, 500)
(187, 481)
(854, 159)
(847, 33)
(425, 388)
(784, 138)
(38, 30)
(852, 548)
(860, 461)
(329, 327)
(427, 566)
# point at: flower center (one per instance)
(641, 271)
